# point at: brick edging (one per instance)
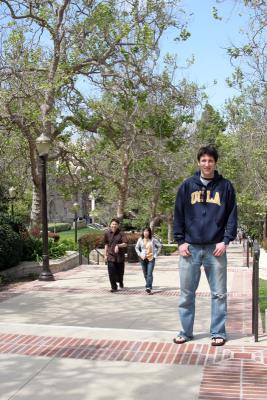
(128, 350)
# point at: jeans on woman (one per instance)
(148, 267)
(216, 273)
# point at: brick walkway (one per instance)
(236, 372)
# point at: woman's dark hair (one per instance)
(209, 150)
(147, 228)
(115, 220)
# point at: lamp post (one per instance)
(43, 145)
(12, 194)
(92, 199)
(76, 207)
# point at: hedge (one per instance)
(94, 240)
(168, 249)
(59, 227)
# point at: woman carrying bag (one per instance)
(148, 248)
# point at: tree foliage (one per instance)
(49, 48)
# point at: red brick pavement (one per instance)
(190, 353)
(243, 374)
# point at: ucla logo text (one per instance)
(196, 198)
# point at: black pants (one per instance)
(115, 272)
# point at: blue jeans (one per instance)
(216, 273)
(148, 267)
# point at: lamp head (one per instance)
(12, 192)
(76, 206)
(43, 145)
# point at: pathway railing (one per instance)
(247, 251)
(255, 291)
(84, 251)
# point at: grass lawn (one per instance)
(80, 232)
(263, 299)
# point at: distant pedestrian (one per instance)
(205, 221)
(115, 243)
(148, 248)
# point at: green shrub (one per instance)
(14, 222)
(162, 232)
(10, 247)
(167, 250)
(69, 244)
(16, 244)
(32, 249)
(59, 227)
(58, 249)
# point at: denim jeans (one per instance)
(216, 273)
(148, 267)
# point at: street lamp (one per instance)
(43, 145)
(12, 194)
(76, 207)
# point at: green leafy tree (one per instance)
(48, 47)
(210, 127)
(246, 115)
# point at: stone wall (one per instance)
(32, 268)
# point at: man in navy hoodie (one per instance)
(205, 221)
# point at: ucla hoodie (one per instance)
(205, 214)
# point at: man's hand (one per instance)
(116, 248)
(220, 249)
(183, 250)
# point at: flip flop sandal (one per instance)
(179, 340)
(215, 343)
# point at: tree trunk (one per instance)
(36, 206)
(123, 188)
(153, 222)
(121, 202)
(154, 218)
(170, 228)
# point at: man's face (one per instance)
(207, 166)
(114, 226)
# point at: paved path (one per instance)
(74, 340)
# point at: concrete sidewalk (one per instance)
(74, 340)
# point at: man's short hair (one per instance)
(115, 220)
(208, 150)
